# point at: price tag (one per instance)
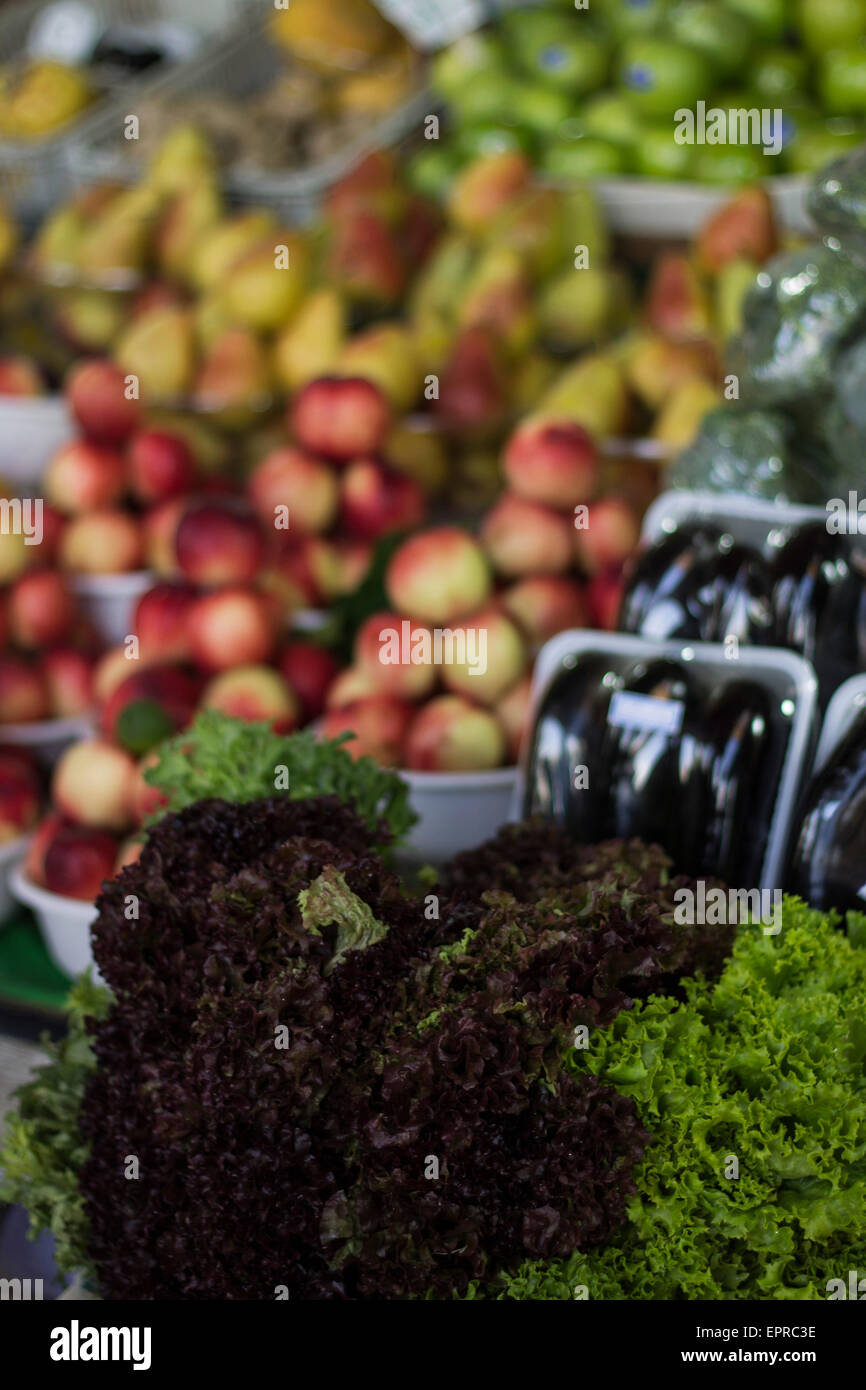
(630, 711)
(67, 32)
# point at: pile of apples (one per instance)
(48, 650)
(20, 793)
(549, 557)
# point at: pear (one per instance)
(656, 367)
(676, 304)
(593, 393)
(532, 226)
(310, 345)
(211, 450)
(8, 237)
(210, 320)
(159, 348)
(743, 229)
(118, 242)
(57, 241)
(434, 335)
(190, 214)
(386, 355)
(267, 283)
(533, 375)
(733, 283)
(234, 382)
(499, 296)
(439, 286)
(43, 98)
(226, 243)
(420, 453)
(482, 190)
(581, 307)
(184, 158)
(90, 319)
(680, 419)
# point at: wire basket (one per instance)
(240, 68)
(35, 174)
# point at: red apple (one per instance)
(53, 525)
(232, 627)
(78, 860)
(175, 692)
(552, 461)
(161, 622)
(107, 542)
(305, 486)
(354, 558)
(494, 658)
(41, 609)
(69, 677)
(604, 592)
(256, 693)
(23, 692)
(513, 712)
(545, 604)
(379, 725)
(34, 864)
(160, 532)
(438, 576)
(351, 685)
(19, 376)
(161, 466)
(610, 536)
(19, 804)
(396, 655)
(98, 397)
(83, 477)
(451, 734)
(310, 671)
(375, 499)
(313, 567)
(219, 542)
(91, 784)
(5, 624)
(340, 418)
(523, 537)
(113, 668)
(144, 800)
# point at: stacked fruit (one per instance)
(593, 91)
(441, 681)
(47, 648)
(20, 793)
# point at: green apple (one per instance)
(733, 164)
(778, 72)
(660, 76)
(541, 109)
(562, 50)
(574, 160)
(723, 36)
(658, 156)
(486, 98)
(820, 142)
(826, 24)
(611, 116)
(770, 17)
(433, 168)
(464, 61)
(628, 17)
(492, 138)
(842, 81)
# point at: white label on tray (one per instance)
(433, 23)
(630, 711)
(67, 32)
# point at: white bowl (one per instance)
(457, 810)
(109, 601)
(64, 922)
(11, 854)
(48, 738)
(32, 428)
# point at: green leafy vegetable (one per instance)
(329, 901)
(229, 759)
(43, 1152)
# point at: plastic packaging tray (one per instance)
(748, 519)
(240, 66)
(35, 174)
(845, 704)
(786, 676)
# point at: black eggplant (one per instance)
(819, 598)
(567, 779)
(662, 597)
(739, 599)
(828, 865)
(737, 733)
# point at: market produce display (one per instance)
(594, 91)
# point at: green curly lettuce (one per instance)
(42, 1152)
(767, 1066)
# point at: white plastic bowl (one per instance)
(457, 810)
(48, 738)
(32, 428)
(11, 853)
(109, 601)
(64, 922)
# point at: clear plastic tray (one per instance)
(238, 68)
(35, 174)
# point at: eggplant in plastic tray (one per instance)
(807, 594)
(668, 749)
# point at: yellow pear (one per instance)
(385, 354)
(226, 243)
(210, 320)
(681, 416)
(8, 237)
(184, 157)
(310, 345)
(159, 348)
(418, 452)
(266, 285)
(343, 34)
(593, 393)
(42, 99)
(189, 215)
(120, 240)
(92, 319)
(234, 382)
